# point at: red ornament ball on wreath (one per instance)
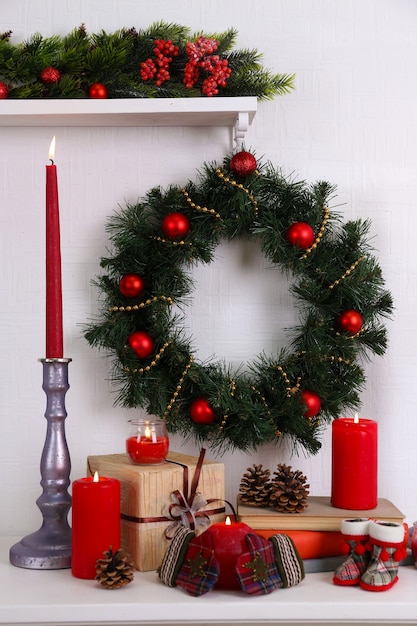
(142, 344)
(98, 91)
(312, 402)
(300, 234)
(4, 91)
(243, 163)
(50, 75)
(202, 412)
(131, 285)
(350, 321)
(175, 225)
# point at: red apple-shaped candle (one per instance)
(228, 543)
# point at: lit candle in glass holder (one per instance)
(147, 442)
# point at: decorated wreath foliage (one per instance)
(337, 284)
(161, 61)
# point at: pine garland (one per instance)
(337, 273)
(116, 60)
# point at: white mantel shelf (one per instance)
(236, 113)
(55, 597)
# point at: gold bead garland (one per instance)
(233, 183)
(291, 390)
(232, 393)
(197, 207)
(278, 433)
(326, 214)
(141, 305)
(170, 241)
(347, 273)
(178, 388)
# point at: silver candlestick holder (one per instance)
(50, 546)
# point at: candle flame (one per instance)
(356, 419)
(96, 478)
(52, 150)
(228, 522)
(147, 432)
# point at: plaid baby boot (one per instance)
(356, 546)
(387, 539)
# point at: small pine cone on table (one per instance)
(289, 490)
(255, 486)
(115, 570)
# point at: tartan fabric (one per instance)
(289, 563)
(382, 572)
(350, 571)
(200, 569)
(256, 569)
(174, 556)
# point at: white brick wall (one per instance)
(351, 120)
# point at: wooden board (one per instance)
(319, 514)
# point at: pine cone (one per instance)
(255, 487)
(289, 490)
(115, 570)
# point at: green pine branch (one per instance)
(114, 59)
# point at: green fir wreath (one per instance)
(338, 286)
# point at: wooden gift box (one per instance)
(145, 492)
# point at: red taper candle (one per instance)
(54, 332)
(95, 522)
(354, 463)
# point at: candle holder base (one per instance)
(50, 546)
(39, 550)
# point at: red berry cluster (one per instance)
(200, 55)
(164, 52)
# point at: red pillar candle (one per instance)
(54, 333)
(228, 543)
(95, 522)
(354, 464)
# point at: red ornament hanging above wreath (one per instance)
(243, 163)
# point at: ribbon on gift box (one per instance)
(185, 508)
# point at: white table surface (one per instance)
(56, 597)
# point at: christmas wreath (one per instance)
(338, 285)
(162, 61)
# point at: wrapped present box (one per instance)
(154, 498)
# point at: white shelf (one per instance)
(55, 597)
(236, 113)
